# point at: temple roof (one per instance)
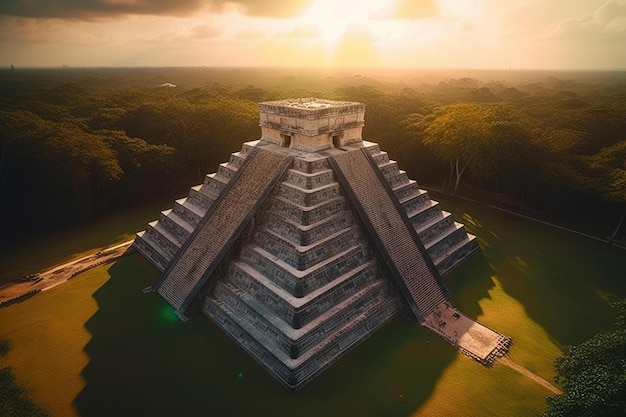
(310, 107)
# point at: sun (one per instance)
(334, 18)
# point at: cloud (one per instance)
(94, 9)
(31, 30)
(205, 31)
(305, 31)
(272, 8)
(408, 9)
(253, 34)
(90, 9)
(133, 31)
(606, 23)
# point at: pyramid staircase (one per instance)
(446, 241)
(305, 266)
(391, 230)
(221, 225)
(163, 238)
(306, 285)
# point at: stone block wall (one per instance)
(162, 239)
(447, 242)
(303, 279)
(304, 283)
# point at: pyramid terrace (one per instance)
(309, 240)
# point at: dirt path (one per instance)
(62, 273)
(506, 361)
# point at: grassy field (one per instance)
(55, 249)
(98, 346)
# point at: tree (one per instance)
(149, 170)
(14, 399)
(485, 140)
(53, 172)
(610, 162)
(593, 374)
(561, 171)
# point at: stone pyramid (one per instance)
(307, 241)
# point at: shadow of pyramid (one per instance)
(143, 361)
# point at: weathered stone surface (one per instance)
(310, 124)
(392, 232)
(300, 279)
(203, 250)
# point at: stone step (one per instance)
(295, 342)
(305, 256)
(409, 189)
(308, 197)
(248, 147)
(389, 168)
(449, 259)
(176, 225)
(148, 240)
(162, 238)
(226, 170)
(298, 311)
(150, 252)
(200, 197)
(214, 184)
(300, 234)
(186, 210)
(415, 202)
(398, 179)
(293, 373)
(311, 163)
(301, 283)
(213, 238)
(310, 180)
(371, 147)
(380, 158)
(430, 230)
(394, 236)
(236, 159)
(307, 215)
(424, 213)
(449, 237)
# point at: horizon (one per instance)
(307, 68)
(553, 35)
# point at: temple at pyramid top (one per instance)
(311, 124)
(309, 240)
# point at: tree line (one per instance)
(75, 145)
(593, 374)
(15, 400)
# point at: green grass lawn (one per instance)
(98, 346)
(48, 251)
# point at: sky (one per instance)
(481, 34)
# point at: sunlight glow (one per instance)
(464, 9)
(342, 33)
(334, 18)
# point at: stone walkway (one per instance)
(476, 340)
(471, 337)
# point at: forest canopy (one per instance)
(76, 144)
(593, 374)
